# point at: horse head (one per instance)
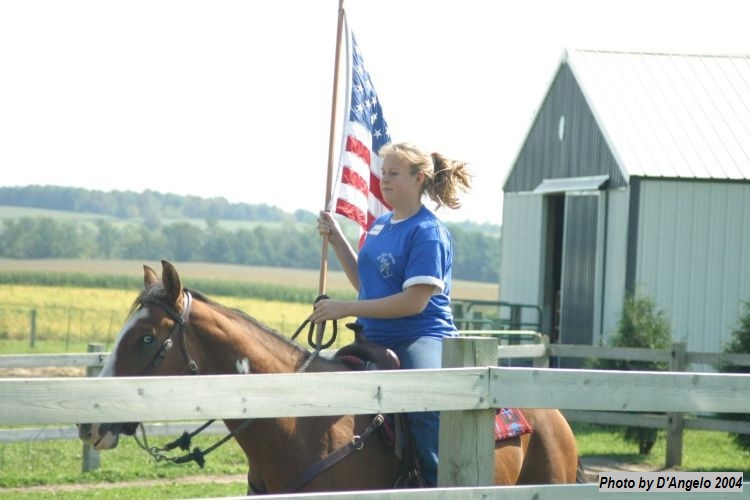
(157, 323)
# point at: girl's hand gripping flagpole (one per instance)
(322, 281)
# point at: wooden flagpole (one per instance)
(322, 282)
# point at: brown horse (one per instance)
(280, 452)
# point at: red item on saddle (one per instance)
(510, 423)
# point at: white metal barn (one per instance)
(635, 173)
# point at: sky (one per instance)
(233, 98)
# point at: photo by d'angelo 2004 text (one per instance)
(685, 482)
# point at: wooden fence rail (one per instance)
(538, 349)
(461, 391)
(67, 400)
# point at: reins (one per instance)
(313, 342)
(184, 441)
(198, 455)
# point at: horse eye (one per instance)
(148, 338)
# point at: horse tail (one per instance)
(580, 473)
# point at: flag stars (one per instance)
(367, 127)
(365, 105)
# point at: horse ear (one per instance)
(149, 276)
(171, 280)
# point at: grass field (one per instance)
(53, 468)
(68, 319)
(45, 318)
(336, 282)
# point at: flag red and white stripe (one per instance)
(356, 194)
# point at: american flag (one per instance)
(357, 186)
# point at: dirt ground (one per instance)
(592, 466)
(67, 371)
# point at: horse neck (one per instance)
(233, 343)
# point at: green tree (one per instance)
(476, 255)
(183, 242)
(643, 325)
(106, 239)
(138, 242)
(739, 342)
(14, 237)
(217, 245)
(245, 246)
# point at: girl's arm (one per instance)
(409, 302)
(327, 226)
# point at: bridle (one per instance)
(184, 441)
(180, 324)
(198, 455)
(178, 330)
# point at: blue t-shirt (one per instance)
(418, 250)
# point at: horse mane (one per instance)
(236, 312)
(157, 292)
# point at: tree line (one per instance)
(276, 239)
(146, 205)
(283, 245)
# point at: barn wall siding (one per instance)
(520, 265)
(582, 152)
(615, 256)
(694, 256)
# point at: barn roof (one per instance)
(670, 115)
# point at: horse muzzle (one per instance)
(104, 436)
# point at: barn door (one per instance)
(578, 284)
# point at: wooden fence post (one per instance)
(467, 447)
(478, 323)
(542, 361)
(515, 317)
(91, 455)
(676, 421)
(32, 328)
(458, 315)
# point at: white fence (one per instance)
(536, 347)
(462, 393)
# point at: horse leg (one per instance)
(552, 455)
(509, 456)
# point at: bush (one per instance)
(739, 343)
(641, 324)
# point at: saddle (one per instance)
(365, 355)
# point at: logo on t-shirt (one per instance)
(386, 260)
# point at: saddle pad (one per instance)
(353, 362)
(510, 423)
